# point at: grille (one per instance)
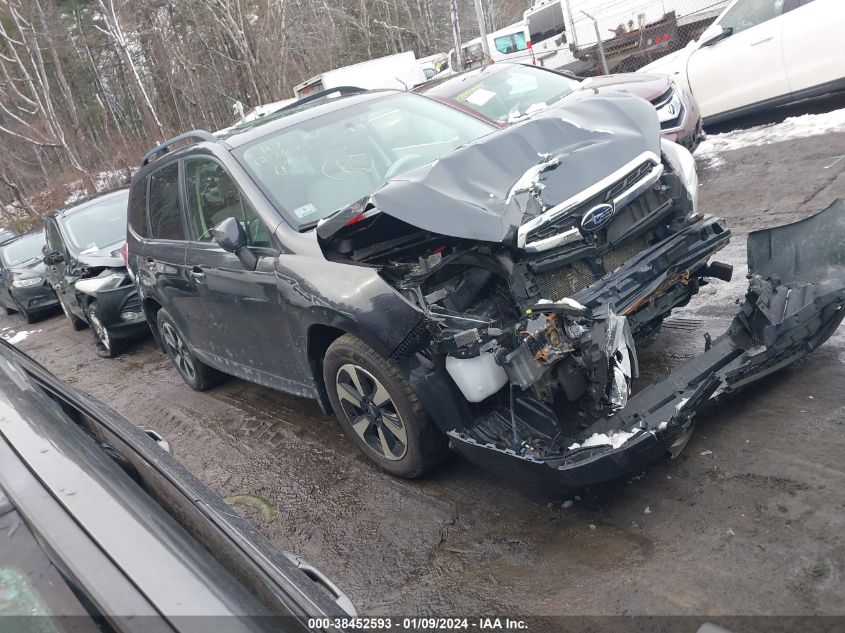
(615, 258)
(566, 281)
(571, 219)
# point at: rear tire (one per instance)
(379, 411)
(107, 347)
(193, 371)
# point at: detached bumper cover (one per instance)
(794, 303)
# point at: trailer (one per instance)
(401, 71)
(565, 34)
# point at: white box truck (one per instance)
(401, 71)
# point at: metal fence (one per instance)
(565, 34)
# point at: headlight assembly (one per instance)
(93, 285)
(683, 164)
(26, 283)
(672, 109)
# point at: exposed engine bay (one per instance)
(533, 313)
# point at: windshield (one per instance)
(23, 250)
(98, 225)
(326, 163)
(507, 95)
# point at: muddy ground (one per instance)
(749, 519)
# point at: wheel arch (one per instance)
(150, 307)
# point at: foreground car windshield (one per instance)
(515, 92)
(98, 225)
(23, 250)
(325, 164)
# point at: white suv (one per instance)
(762, 53)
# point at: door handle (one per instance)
(198, 274)
(763, 41)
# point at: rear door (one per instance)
(745, 68)
(242, 307)
(812, 43)
(161, 270)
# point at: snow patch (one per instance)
(791, 128)
(18, 337)
(615, 439)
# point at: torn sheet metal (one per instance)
(794, 303)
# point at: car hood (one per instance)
(107, 256)
(485, 190)
(645, 86)
(32, 268)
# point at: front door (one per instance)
(246, 328)
(61, 274)
(746, 67)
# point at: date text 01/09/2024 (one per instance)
(419, 623)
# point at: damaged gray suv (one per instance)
(437, 282)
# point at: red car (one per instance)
(505, 93)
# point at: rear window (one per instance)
(163, 204)
(546, 22)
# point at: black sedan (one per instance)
(23, 278)
(86, 267)
(101, 529)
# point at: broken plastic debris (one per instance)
(705, 453)
(567, 504)
(592, 526)
(647, 510)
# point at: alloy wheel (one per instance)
(371, 412)
(178, 351)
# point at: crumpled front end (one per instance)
(793, 304)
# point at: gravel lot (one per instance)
(749, 519)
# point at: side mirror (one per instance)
(715, 34)
(231, 237)
(51, 259)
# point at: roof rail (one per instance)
(342, 90)
(160, 150)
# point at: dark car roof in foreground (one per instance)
(168, 563)
(88, 202)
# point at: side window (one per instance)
(53, 237)
(505, 44)
(213, 196)
(749, 13)
(163, 204)
(138, 209)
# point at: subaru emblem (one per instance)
(597, 217)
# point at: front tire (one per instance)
(379, 411)
(107, 347)
(197, 374)
(75, 322)
(26, 315)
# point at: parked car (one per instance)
(7, 233)
(506, 93)
(23, 278)
(86, 267)
(437, 281)
(101, 528)
(759, 54)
